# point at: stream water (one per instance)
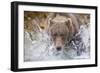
(42, 48)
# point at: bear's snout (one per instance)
(59, 43)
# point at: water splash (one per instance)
(42, 48)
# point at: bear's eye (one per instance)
(62, 34)
(55, 34)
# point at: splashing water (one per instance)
(42, 48)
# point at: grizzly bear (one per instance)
(62, 28)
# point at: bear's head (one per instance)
(61, 30)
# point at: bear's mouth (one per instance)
(58, 52)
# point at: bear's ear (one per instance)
(50, 17)
(69, 21)
(51, 22)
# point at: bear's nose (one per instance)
(58, 48)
